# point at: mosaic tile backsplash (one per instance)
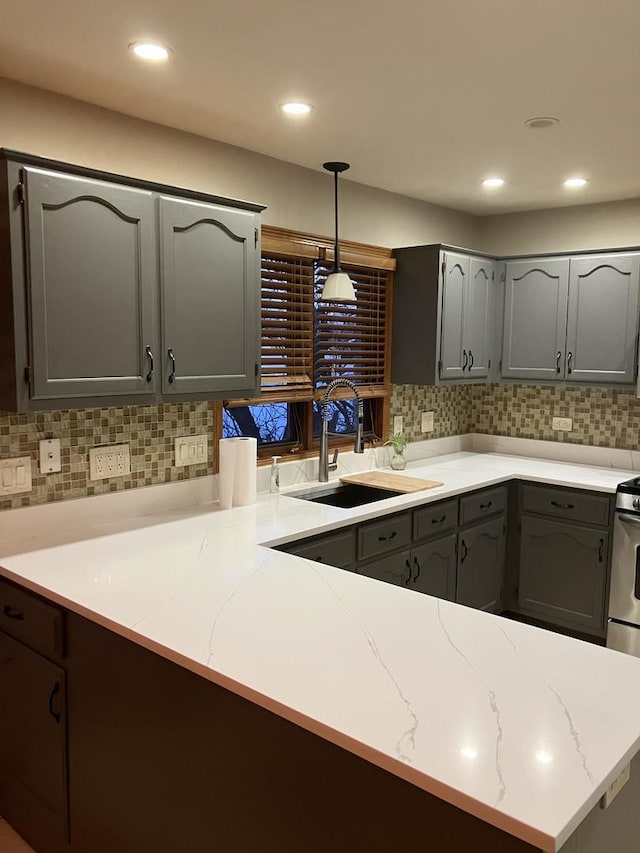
(449, 404)
(601, 417)
(149, 430)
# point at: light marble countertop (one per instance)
(521, 727)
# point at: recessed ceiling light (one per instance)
(575, 183)
(540, 122)
(151, 51)
(296, 108)
(493, 182)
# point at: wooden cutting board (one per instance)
(393, 482)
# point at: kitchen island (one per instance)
(341, 705)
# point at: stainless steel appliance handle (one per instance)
(628, 519)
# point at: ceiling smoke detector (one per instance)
(541, 122)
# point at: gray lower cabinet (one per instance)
(535, 318)
(33, 759)
(124, 293)
(481, 553)
(433, 568)
(210, 298)
(91, 255)
(394, 569)
(333, 549)
(563, 572)
(602, 325)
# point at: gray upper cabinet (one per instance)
(443, 302)
(535, 319)
(602, 323)
(455, 277)
(477, 317)
(210, 298)
(92, 286)
(119, 291)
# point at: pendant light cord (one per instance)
(336, 252)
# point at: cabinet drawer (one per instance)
(566, 503)
(379, 537)
(32, 621)
(482, 504)
(435, 519)
(395, 569)
(334, 549)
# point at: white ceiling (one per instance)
(423, 97)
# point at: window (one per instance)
(307, 343)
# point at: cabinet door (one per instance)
(535, 319)
(92, 283)
(476, 317)
(210, 277)
(563, 572)
(481, 566)
(602, 325)
(33, 781)
(395, 569)
(455, 274)
(433, 568)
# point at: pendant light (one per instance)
(338, 286)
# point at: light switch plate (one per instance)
(50, 456)
(15, 475)
(397, 424)
(113, 460)
(562, 424)
(426, 423)
(190, 450)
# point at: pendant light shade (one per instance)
(338, 287)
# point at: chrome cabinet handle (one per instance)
(150, 357)
(392, 535)
(470, 359)
(408, 565)
(12, 614)
(558, 360)
(569, 360)
(561, 506)
(52, 699)
(172, 375)
(465, 359)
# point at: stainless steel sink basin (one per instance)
(346, 495)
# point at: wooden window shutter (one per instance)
(351, 338)
(287, 326)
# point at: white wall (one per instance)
(40, 122)
(614, 224)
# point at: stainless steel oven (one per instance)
(623, 631)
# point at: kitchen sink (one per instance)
(346, 495)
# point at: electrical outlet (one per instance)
(112, 461)
(615, 787)
(562, 424)
(397, 424)
(190, 450)
(50, 456)
(426, 424)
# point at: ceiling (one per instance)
(424, 97)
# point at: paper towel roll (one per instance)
(237, 477)
(244, 480)
(227, 471)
